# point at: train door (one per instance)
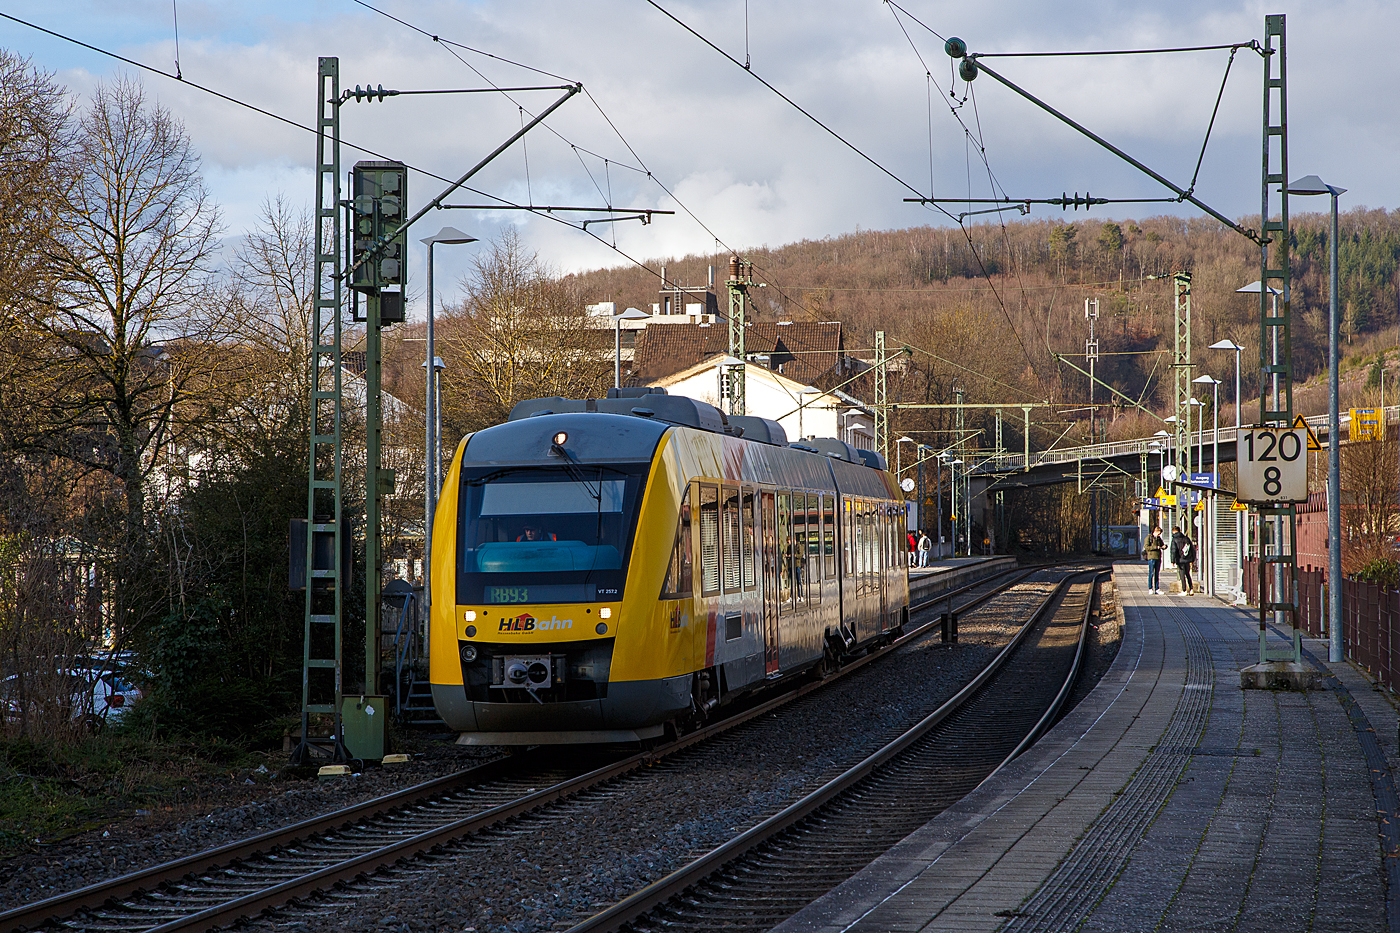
(769, 558)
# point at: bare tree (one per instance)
(520, 333)
(271, 294)
(1368, 478)
(125, 365)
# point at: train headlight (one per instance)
(469, 615)
(605, 612)
(601, 628)
(469, 653)
(561, 438)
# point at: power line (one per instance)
(792, 103)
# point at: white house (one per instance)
(802, 410)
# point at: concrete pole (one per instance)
(1241, 518)
(617, 352)
(430, 461)
(1334, 465)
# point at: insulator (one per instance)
(955, 47)
(967, 69)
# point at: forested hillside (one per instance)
(988, 309)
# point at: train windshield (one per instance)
(545, 535)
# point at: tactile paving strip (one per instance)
(1066, 898)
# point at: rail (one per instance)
(211, 916)
(652, 897)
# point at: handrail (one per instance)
(405, 650)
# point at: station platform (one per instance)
(951, 572)
(1168, 799)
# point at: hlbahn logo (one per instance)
(528, 623)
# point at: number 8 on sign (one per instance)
(1273, 466)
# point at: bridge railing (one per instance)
(1015, 463)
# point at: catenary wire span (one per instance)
(640, 167)
(504, 202)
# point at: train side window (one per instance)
(867, 562)
(749, 507)
(812, 551)
(678, 575)
(797, 557)
(784, 551)
(829, 535)
(732, 547)
(847, 537)
(709, 540)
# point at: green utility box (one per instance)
(364, 719)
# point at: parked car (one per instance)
(104, 696)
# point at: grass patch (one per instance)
(51, 790)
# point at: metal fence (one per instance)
(1370, 619)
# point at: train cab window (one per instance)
(678, 576)
(543, 534)
(749, 508)
(732, 547)
(829, 535)
(709, 540)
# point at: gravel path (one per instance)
(547, 871)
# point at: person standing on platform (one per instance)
(1152, 549)
(925, 549)
(913, 549)
(1183, 555)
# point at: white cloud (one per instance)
(753, 169)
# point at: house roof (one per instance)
(791, 386)
(802, 351)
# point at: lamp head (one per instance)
(1225, 344)
(448, 235)
(1253, 288)
(1311, 184)
(632, 314)
(1207, 380)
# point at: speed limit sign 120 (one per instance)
(1273, 465)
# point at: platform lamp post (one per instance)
(1214, 473)
(432, 417)
(631, 314)
(953, 475)
(1314, 185)
(1241, 526)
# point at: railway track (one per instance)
(244, 879)
(768, 873)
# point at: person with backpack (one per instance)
(1152, 549)
(1183, 555)
(925, 549)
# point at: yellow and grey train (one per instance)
(606, 569)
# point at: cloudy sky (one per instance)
(670, 123)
